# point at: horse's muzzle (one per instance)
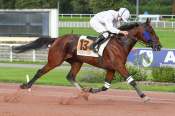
(157, 47)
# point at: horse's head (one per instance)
(147, 35)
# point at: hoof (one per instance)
(92, 90)
(146, 99)
(86, 89)
(24, 86)
(85, 95)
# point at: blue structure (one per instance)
(148, 58)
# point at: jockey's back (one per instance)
(106, 15)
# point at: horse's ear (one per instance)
(148, 20)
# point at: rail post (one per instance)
(34, 56)
(11, 54)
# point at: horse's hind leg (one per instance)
(54, 60)
(38, 74)
(75, 67)
(107, 84)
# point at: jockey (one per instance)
(106, 22)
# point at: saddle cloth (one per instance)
(83, 47)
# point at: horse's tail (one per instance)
(41, 42)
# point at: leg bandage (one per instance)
(107, 85)
(130, 79)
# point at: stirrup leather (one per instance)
(100, 40)
(95, 46)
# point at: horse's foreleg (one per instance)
(107, 84)
(131, 81)
(123, 71)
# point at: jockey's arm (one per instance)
(125, 33)
(110, 26)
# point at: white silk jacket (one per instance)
(106, 21)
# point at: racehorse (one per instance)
(114, 57)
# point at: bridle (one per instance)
(150, 41)
(147, 35)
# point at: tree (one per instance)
(28, 4)
(53, 3)
(81, 6)
(156, 6)
(126, 4)
(65, 6)
(101, 5)
(7, 4)
(92, 6)
(173, 9)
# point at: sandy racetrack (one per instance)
(62, 101)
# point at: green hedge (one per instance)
(138, 74)
(163, 74)
(97, 76)
(93, 76)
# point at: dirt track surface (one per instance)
(62, 101)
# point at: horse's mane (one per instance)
(129, 26)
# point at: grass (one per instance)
(167, 36)
(58, 77)
(18, 75)
(79, 31)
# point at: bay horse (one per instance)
(114, 57)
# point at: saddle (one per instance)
(84, 43)
(97, 42)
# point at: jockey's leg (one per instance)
(100, 39)
(107, 84)
(75, 67)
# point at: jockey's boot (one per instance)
(100, 39)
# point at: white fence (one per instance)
(6, 54)
(90, 15)
(74, 24)
(83, 24)
(76, 15)
(161, 24)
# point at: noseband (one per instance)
(149, 40)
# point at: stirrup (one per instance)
(93, 47)
(96, 49)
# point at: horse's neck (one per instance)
(128, 44)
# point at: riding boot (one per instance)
(96, 45)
